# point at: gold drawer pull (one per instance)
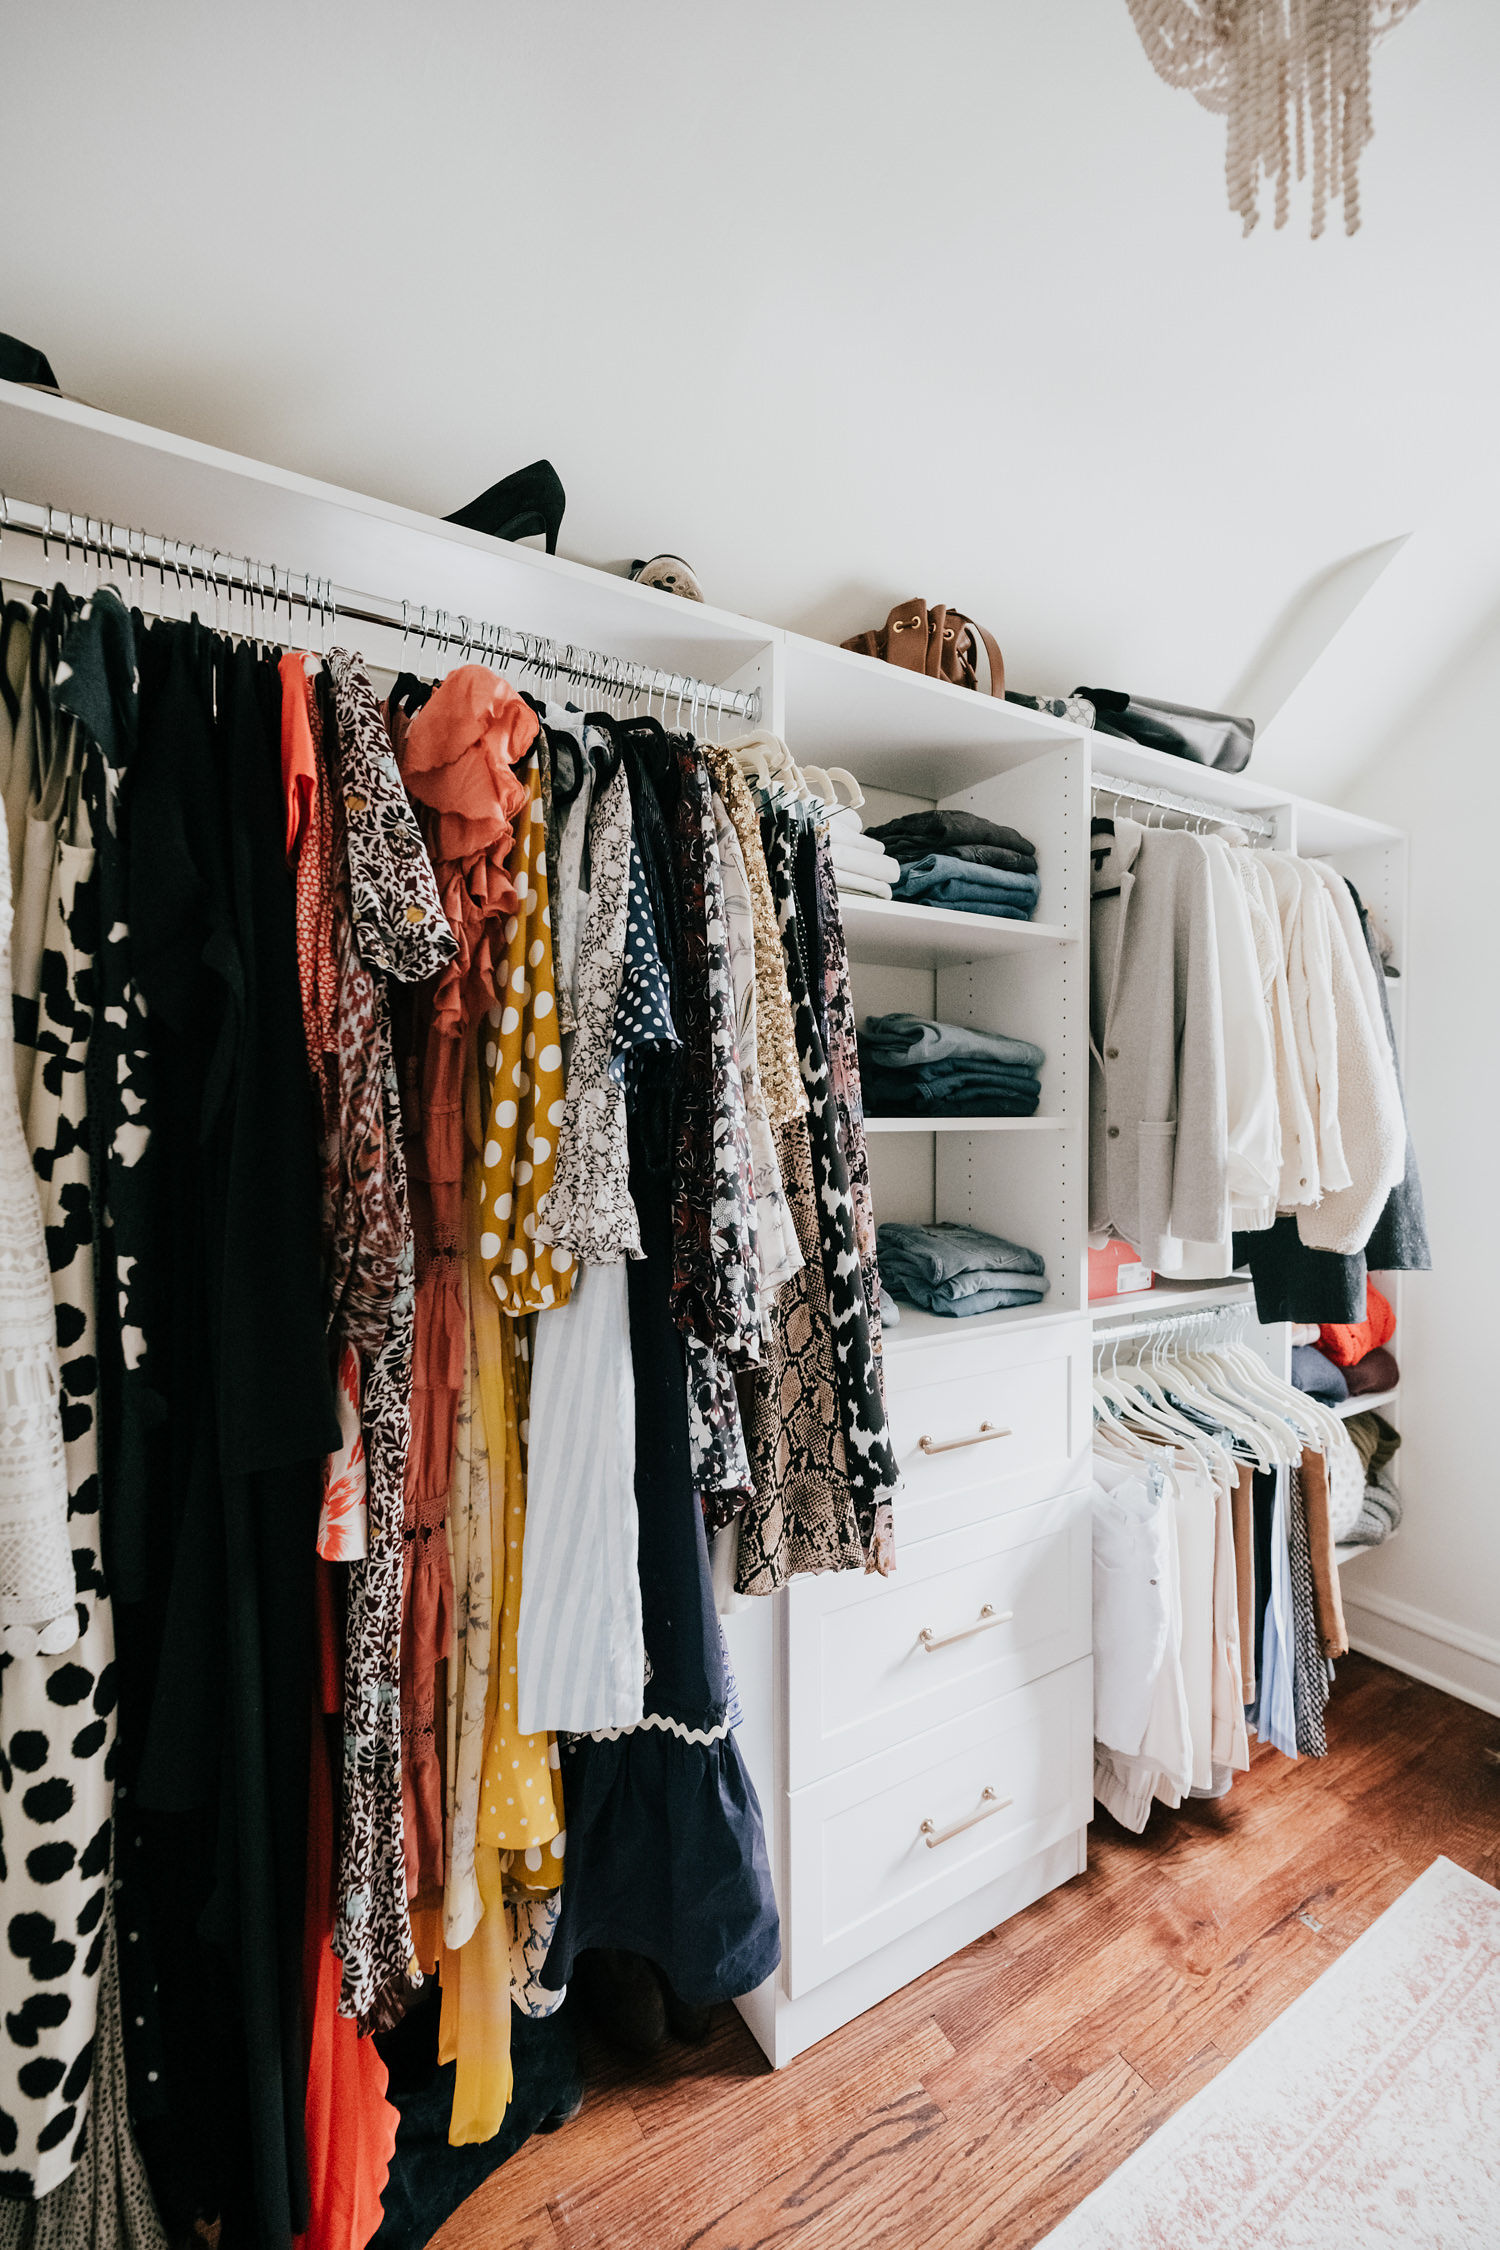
(987, 1617)
(982, 1436)
(989, 1803)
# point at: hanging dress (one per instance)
(843, 1078)
(522, 1057)
(666, 1852)
(823, 1467)
(402, 933)
(57, 1713)
(580, 1655)
(457, 757)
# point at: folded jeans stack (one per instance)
(860, 865)
(957, 1271)
(962, 861)
(911, 1066)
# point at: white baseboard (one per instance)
(1452, 1657)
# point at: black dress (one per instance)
(666, 1852)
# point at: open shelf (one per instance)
(900, 730)
(101, 465)
(964, 1124)
(937, 1328)
(1347, 1551)
(897, 934)
(1370, 1403)
(1117, 760)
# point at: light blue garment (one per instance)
(959, 901)
(1275, 1711)
(938, 1252)
(937, 871)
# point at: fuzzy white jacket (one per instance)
(1372, 1120)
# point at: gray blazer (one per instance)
(1158, 1123)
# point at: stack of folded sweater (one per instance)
(956, 859)
(956, 1270)
(1347, 1359)
(1375, 1441)
(910, 1066)
(860, 865)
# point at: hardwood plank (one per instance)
(603, 2141)
(977, 2105)
(684, 2188)
(473, 2227)
(843, 2196)
(1003, 2190)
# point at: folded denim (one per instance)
(996, 1299)
(936, 831)
(954, 1070)
(906, 848)
(946, 1248)
(936, 869)
(902, 1093)
(900, 1038)
(879, 1103)
(959, 902)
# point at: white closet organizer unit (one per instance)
(922, 1745)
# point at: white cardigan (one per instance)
(1372, 1121)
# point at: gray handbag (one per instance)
(1207, 738)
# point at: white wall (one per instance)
(1431, 1600)
(846, 300)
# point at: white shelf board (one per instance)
(899, 730)
(102, 465)
(1370, 1403)
(1173, 1296)
(1347, 1552)
(965, 1124)
(928, 1328)
(898, 934)
(1114, 759)
(1325, 829)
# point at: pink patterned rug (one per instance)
(1368, 2115)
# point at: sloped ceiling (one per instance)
(842, 302)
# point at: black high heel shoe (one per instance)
(519, 506)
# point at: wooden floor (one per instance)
(982, 2102)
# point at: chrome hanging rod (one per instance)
(1172, 1324)
(1259, 827)
(271, 587)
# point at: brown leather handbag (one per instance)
(939, 641)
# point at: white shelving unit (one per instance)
(956, 1787)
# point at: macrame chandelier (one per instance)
(1293, 79)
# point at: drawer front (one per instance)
(993, 1788)
(968, 1616)
(1004, 1426)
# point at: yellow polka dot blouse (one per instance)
(522, 1062)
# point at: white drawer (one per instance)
(862, 1868)
(1001, 1602)
(1032, 1392)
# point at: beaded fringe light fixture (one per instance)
(1293, 79)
